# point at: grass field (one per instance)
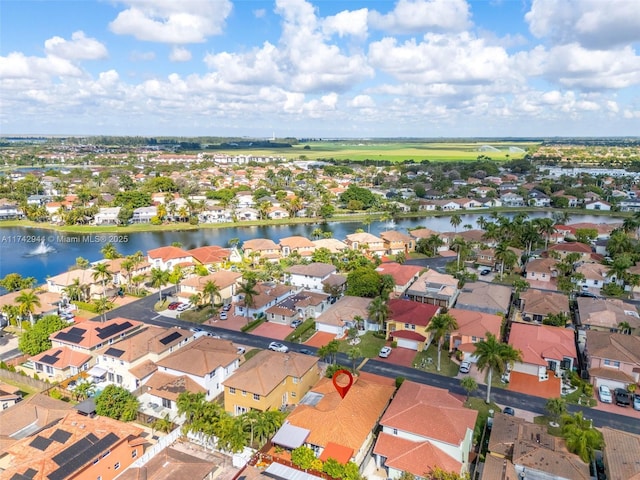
(393, 151)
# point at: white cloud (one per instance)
(412, 16)
(362, 101)
(259, 13)
(180, 54)
(80, 47)
(170, 21)
(17, 65)
(595, 24)
(347, 23)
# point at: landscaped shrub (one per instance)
(89, 307)
(251, 325)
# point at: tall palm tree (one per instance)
(625, 328)
(440, 326)
(546, 229)
(249, 421)
(27, 303)
(159, 278)
(102, 273)
(455, 220)
(379, 312)
(211, 291)
(249, 292)
(494, 356)
(102, 306)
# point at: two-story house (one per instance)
(311, 276)
(297, 244)
(226, 281)
(403, 275)
(343, 315)
(543, 270)
(565, 248)
(473, 327)
(536, 305)
(435, 288)
(269, 294)
(397, 242)
(59, 363)
(608, 315)
(613, 359)
(269, 381)
(166, 258)
(144, 214)
(408, 322)
(299, 306)
(262, 248)
(484, 297)
(107, 216)
(366, 242)
(415, 443)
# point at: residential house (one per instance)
(564, 249)
(9, 395)
(535, 305)
(166, 258)
(276, 213)
(473, 327)
(213, 256)
(396, 242)
(606, 314)
(215, 214)
(541, 270)
(403, 275)
(446, 205)
(107, 216)
(311, 276)
(49, 302)
(297, 244)
(346, 425)
(149, 345)
(595, 275)
(59, 363)
(629, 205)
(519, 449)
(299, 306)
(9, 211)
(342, 315)
(332, 244)
(512, 200)
(425, 233)
(269, 381)
(269, 294)
(262, 248)
(60, 283)
(74, 447)
(366, 242)
(547, 352)
(144, 214)
(486, 257)
(247, 214)
(539, 199)
(597, 205)
(468, 203)
(175, 463)
(613, 359)
(620, 454)
(88, 337)
(122, 276)
(408, 322)
(411, 442)
(435, 288)
(206, 362)
(227, 282)
(484, 297)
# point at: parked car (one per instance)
(605, 394)
(623, 398)
(384, 352)
(223, 315)
(227, 307)
(485, 271)
(241, 350)
(174, 305)
(306, 351)
(296, 323)
(465, 367)
(509, 411)
(278, 347)
(182, 307)
(636, 401)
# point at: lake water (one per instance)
(22, 250)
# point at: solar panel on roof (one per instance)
(49, 359)
(81, 458)
(111, 330)
(60, 436)
(29, 474)
(114, 352)
(170, 338)
(77, 331)
(73, 450)
(41, 443)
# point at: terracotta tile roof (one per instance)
(266, 370)
(475, 324)
(168, 253)
(611, 374)
(115, 265)
(363, 238)
(345, 309)
(150, 340)
(447, 421)
(402, 274)
(332, 244)
(267, 293)
(614, 346)
(417, 458)
(544, 303)
(408, 334)
(222, 279)
(422, 233)
(259, 244)
(395, 236)
(48, 300)
(316, 269)
(202, 356)
(621, 454)
(531, 385)
(537, 342)
(169, 387)
(296, 241)
(541, 265)
(498, 468)
(606, 313)
(144, 369)
(571, 247)
(337, 452)
(210, 254)
(593, 271)
(171, 464)
(62, 357)
(91, 334)
(414, 313)
(67, 278)
(350, 419)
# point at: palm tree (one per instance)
(212, 291)
(469, 384)
(461, 247)
(159, 278)
(434, 242)
(74, 290)
(27, 303)
(101, 272)
(102, 306)
(196, 299)
(455, 221)
(546, 228)
(248, 291)
(440, 326)
(625, 328)
(494, 356)
(109, 251)
(556, 407)
(481, 222)
(249, 420)
(379, 312)
(580, 437)
(354, 353)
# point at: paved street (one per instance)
(142, 310)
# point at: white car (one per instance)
(223, 315)
(605, 394)
(384, 352)
(278, 347)
(465, 367)
(183, 307)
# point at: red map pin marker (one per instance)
(342, 389)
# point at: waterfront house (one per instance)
(261, 248)
(144, 214)
(396, 242)
(366, 242)
(166, 258)
(297, 244)
(107, 216)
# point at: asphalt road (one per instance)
(142, 310)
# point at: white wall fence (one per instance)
(163, 442)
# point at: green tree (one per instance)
(364, 282)
(249, 293)
(580, 436)
(109, 251)
(212, 292)
(303, 457)
(102, 273)
(556, 407)
(556, 319)
(354, 353)
(13, 282)
(28, 301)
(469, 384)
(440, 327)
(159, 278)
(82, 263)
(455, 220)
(333, 468)
(379, 312)
(36, 339)
(102, 305)
(83, 390)
(163, 425)
(118, 403)
(330, 351)
(494, 356)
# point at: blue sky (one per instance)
(425, 68)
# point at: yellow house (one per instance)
(408, 323)
(269, 381)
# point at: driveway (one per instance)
(272, 330)
(320, 339)
(611, 408)
(400, 356)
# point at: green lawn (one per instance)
(251, 353)
(25, 389)
(447, 366)
(369, 345)
(475, 403)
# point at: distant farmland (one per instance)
(397, 151)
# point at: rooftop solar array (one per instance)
(40, 443)
(51, 359)
(170, 338)
(73, 335)
(73, 450)
(113, 329)
(78, 458)
(114, 352)
(29, 474)
(60, 436)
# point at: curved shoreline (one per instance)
(289, 221)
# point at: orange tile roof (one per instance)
(447, 421)
(167, 253)
(571, 247)
(222, 279)
(169, 387)
(402, 274)
(529, 384)
(414, 313)
(475, 324)
(338, 452)
(537, 342)
(350, 419)
(297, 242)
(149, 340)
(417, 458)
(202, 356)
(210, 254)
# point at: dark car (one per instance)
(587, 295)
(509, 411)
(306, 351)
(623, 398)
